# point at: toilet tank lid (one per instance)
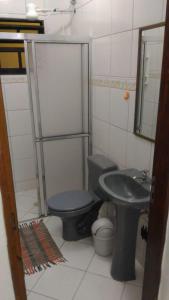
(102, 162)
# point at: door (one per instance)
(59, 80)
(9, 208)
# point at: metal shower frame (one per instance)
(38, 143)
(45, 38)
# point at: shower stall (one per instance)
(58, 77)
(58, 73)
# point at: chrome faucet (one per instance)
(143, 176)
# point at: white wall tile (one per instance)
(121, 15)
(121, 54)
(101, 135)
(147, 12)
(61, 4)
(83, 21)
(164, 10)
(93, 19)
(19, 122)
(13, 7)
(118, 143)
(16, 96)
(22, 146)
(101, 103)
(57, 23)
(119, 109)
(82, 2)
(102, 17)
(138, 152)
(24, 169)
(28, 184)
(101, 52)
(97, 151)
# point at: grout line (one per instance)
(36, 281)
(85, 272)
(84, 4)
(48, 297)
(113, 77)
(122, 294)
(20, 109)
(114, 33)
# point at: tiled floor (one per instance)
(85, 276)
(27, 205)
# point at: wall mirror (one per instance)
(150, 56)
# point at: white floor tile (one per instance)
(29, 216)
(59, 282)
(139, 275)
(31, 280)
(54, 225)
(26, 202)
(96, 287)
(33, 296)
(88, 241)
(132, 292)
(78, 255)
(101, 265)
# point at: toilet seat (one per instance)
(70, 202)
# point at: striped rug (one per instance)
(39, 250)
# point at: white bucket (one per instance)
(103, 246)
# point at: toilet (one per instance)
(79, 209)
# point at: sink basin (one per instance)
(130, 194)
(124, 188)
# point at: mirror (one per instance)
(148, 80)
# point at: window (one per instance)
(12, 58)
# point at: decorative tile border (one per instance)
(116, 84)
(13, 78)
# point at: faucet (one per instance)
(143, 177)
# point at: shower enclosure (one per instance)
(58, 74)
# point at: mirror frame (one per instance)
(137, 100)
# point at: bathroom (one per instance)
(103, 44)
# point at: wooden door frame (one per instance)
(160, 193)
(9, 209)
(159, 201)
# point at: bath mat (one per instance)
(39, 251)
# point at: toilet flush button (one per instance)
(126, 95)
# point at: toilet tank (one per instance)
(97, 165)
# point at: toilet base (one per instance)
(79, 227)
(70, 229)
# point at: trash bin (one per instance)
(103, 236)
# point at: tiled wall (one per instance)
(114, 25)
(16, 99)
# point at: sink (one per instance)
(130, 195)
(123, 187)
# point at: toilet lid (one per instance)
(69, 201)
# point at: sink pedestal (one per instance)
(123, 264)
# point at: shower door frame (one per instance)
(40, 166)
